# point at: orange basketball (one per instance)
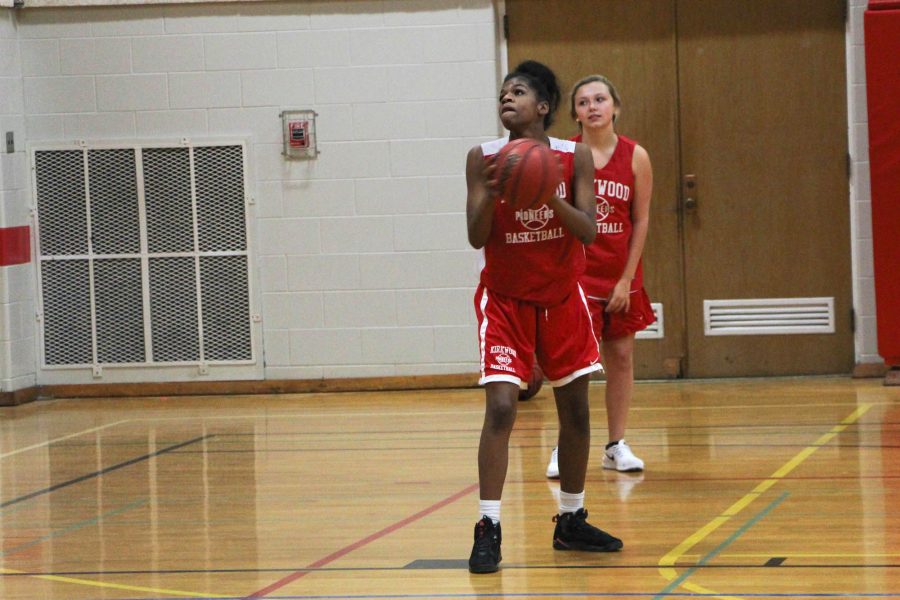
(528, 173)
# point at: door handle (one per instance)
(689, 192)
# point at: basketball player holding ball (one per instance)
(529, 303)
(613, 277)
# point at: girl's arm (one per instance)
(620, 299)
(480, 199)
(580, 219)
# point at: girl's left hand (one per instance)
(620, 297)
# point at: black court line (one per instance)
(109, 469)
(431, 564)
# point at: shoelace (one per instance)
(481, 532)
(618, 449)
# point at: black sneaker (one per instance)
(485, 557)
(573, 532)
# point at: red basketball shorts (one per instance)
(511, 332)
(612, 326)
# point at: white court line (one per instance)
(479, 411)
(301, 411)
(59, 439)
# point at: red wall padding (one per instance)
(882, 31)
(884, 4)
(15, 245)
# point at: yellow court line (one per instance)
(667, 562)
(116, 586)
(59, 439)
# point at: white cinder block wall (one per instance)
(17, 355)
(866, 340)
(362, 258)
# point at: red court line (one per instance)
(359, 544)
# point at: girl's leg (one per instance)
(574, 434)
(493, 459)
(493, 449)
(618, 361)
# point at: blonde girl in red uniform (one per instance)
(613, 278)
(529, 303)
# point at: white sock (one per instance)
(490, 509)
(569, 503)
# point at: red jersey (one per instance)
(530, 255)
(606, 257)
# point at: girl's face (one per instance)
(594, 105)
(519, 105)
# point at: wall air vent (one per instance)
(768, 316)
(143, 255)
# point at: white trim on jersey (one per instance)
(482, 331)
(587, 308)
(562, 145)
(570, 378)
(494, 146)
(504, 378)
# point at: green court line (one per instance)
(74, 527)
(715, 551)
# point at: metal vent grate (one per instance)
(65, 287)
(654, 331)
(220, 198)
(60, 192)
(768, 316)
(167, 187)
(174, 322)
(115, 217)
(119, 310)
(143, 255)
(226, 330)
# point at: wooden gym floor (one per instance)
(775, 488)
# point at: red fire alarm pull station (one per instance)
(299, 134)
(299, 129)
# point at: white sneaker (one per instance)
(621, 458)
(553, 465)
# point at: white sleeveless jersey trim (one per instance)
(493, 147)
(562, 145)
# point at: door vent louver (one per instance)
(768, 316)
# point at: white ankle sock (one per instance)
(569, 503)
(490, 509)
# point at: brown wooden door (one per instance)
(633, 43)
(762, 93)
(747, 96)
